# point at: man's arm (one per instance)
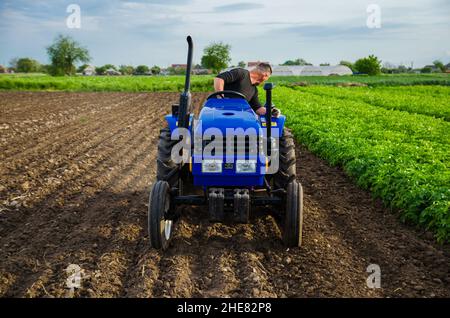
(228, 77)
(218, 84)
(256, 104)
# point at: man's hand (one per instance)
(276, 112)
(261, 111)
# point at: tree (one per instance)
(64, 53)
(348, 64)
(82, 68)
(402, 69)
(100, 70)
(108, 66)
(324, 64)
(426, 69)
(439, 65)
(368, 65)
(13, 63)
(216, 56)
(126, 69)
(242, 64)
(289, 63)
(388, 68)
(141, 70)
(155, 70)
(27, 65)
(389, 65)
(176, 70)
(296, 62)
(45, 68)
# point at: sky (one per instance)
(153, 32)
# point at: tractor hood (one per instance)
(228, 113)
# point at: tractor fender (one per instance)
(172, 121)
(277, 124)
(280, 123)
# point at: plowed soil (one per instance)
(76, 170)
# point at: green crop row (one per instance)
(402, 158)
(105, 83)
(379, 80)
(199, 83)
(429, 101)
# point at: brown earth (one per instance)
(76, 169)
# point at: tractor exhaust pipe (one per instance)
(268, 88)
(185, 97)
(187, 83)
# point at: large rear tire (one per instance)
(293, 221)
(287, 169)
(164, 162)
(160, 221)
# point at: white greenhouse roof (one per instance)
(310, 70)
(306, 70)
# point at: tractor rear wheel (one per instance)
(164, 162)
(160, 221)
(293, 219)
(286, 172)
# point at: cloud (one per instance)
(244, 6)
(153, 31)
(159, 2)
(342, 32)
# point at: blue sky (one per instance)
(153, 32)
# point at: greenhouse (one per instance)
(310, 70)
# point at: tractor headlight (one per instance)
(211, 165)
(245, 166)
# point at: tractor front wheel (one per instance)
(160, 222)
(293, 220)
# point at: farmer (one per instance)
(245, 82)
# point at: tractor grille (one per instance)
(240, 146)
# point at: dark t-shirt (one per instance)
(238, 79)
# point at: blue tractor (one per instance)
(229, 176)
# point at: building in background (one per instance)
(179, 66)
(303, 70)
(310, 70)
(89, 70)
(201, 71)
(253, 64)
(111, 71)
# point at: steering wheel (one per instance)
(236, 94)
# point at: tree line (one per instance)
(64, 53)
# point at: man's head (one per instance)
(261, 73)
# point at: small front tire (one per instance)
(293, 220)
(160, 223)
